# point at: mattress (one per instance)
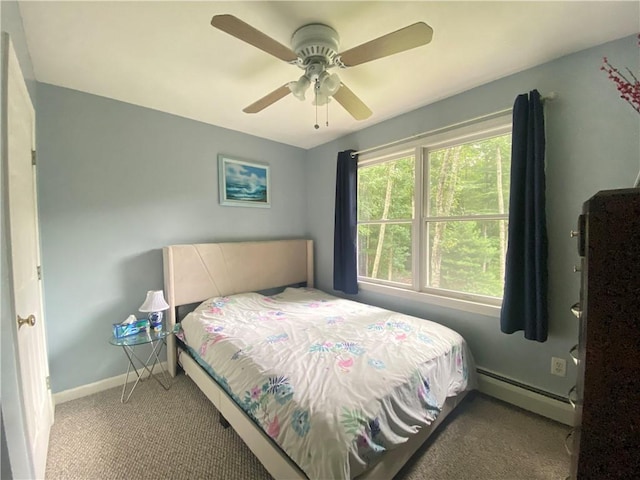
(335, 383)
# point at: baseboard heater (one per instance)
(526, 396)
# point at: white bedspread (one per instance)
(334, 382)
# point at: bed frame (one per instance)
(194, 273)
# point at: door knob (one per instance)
(576, 309)
(30, 320)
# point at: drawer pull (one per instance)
(567, 444)
(576, 309)
(570, 396)
(572, 353)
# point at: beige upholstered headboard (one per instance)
(193, 273)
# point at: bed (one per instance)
(312, 383)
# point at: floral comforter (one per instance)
(334, 382)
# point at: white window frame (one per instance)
(420, 148)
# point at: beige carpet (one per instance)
(175, 434)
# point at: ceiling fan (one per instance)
(314, 48)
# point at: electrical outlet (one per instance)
(559, 366)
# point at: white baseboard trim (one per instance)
(91, 388)
(534, 402)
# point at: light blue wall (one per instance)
(117, 183)
(592, 144)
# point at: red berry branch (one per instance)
(629, 88)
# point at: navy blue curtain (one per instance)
(524, 305)
(345, 264)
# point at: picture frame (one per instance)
(243, 183)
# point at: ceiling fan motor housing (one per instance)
(315, 43)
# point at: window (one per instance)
(433, 216)
(385, 219)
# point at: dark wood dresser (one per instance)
(606, 441)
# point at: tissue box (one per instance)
(124, 330)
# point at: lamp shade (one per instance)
(329, 84)
(154, 302)
(300, 87)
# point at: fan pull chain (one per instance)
(327, 112)
(315, 92)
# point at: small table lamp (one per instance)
(155, 304)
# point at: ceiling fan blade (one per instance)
(268, 99)
(245, 32)
(404, 39)
(352, 103)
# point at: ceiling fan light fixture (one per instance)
(299, 87)
(329, 84)
(321, 99)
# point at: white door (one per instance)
(24, 251)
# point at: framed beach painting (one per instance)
(243, 183)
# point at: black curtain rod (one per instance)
(548, 98)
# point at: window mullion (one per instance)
(468, 218)
(394, 221)
(419, 243)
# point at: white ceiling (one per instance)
(167, 56)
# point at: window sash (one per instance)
(407, 223)
(401, 155)
(427, 258)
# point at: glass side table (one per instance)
(157, 340)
